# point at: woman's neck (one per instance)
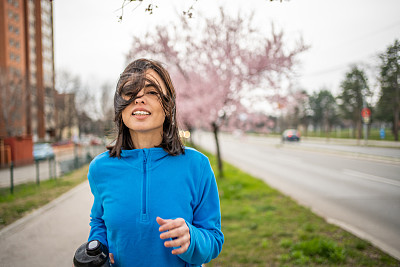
(145, 140)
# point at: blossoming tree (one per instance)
(215, 62)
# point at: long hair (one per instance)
(130, 83)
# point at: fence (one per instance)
(66, 159)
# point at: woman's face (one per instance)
(145, 114)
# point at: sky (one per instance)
(90, 41)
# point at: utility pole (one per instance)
(365, 124)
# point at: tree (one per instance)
(388, 106)
(355, 90)
(107, 108)
(297, 108)
(324, 109)
(67, 86)
(214, 62)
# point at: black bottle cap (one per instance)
(93, 248)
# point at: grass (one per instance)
(30, 196)
(262, 227)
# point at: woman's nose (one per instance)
(139, 100)
(140, 97)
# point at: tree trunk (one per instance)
(220, 167)
(191, 139)
(396, 114)
(396, 124)
(359, 129)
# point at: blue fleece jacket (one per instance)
(130, 192)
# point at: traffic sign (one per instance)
(365, 112)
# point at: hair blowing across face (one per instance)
(130, 83)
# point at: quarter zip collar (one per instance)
(153, 154)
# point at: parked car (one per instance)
(291, 135)
(42, 151)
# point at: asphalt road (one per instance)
(357, 188)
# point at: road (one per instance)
(357, 188)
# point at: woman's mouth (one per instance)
(141, 114)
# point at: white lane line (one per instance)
(371, 177)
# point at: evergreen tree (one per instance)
(354, 90)
(388, 107)
(324, 109)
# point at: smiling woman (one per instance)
(145, 108)
(145, 115)
(152, 196)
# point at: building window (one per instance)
(17, 44)
(11, 42)
(10, 28)
(17, 58)
(16, 30)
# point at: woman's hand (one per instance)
(178, 231)
(111, 258)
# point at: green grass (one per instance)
(262, 227)
(30, 196)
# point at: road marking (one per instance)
(371, 177)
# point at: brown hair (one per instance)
(130, 83)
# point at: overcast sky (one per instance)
(92, 43)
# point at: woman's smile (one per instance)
(141, 114)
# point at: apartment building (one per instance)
(27, 69)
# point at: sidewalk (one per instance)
(49, 236)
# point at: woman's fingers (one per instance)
(177, 230)
(180, 231)
(167, 225)
(181, 250)
(177, 242)
(111, 258)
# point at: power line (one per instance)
(346, 65)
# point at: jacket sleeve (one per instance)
(206, 238)
(98, 230)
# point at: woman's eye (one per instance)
(153, 92)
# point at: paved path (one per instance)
(49, 236)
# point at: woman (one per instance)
(155, 202)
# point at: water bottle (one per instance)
(92, 254)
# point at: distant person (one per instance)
(156, 202)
